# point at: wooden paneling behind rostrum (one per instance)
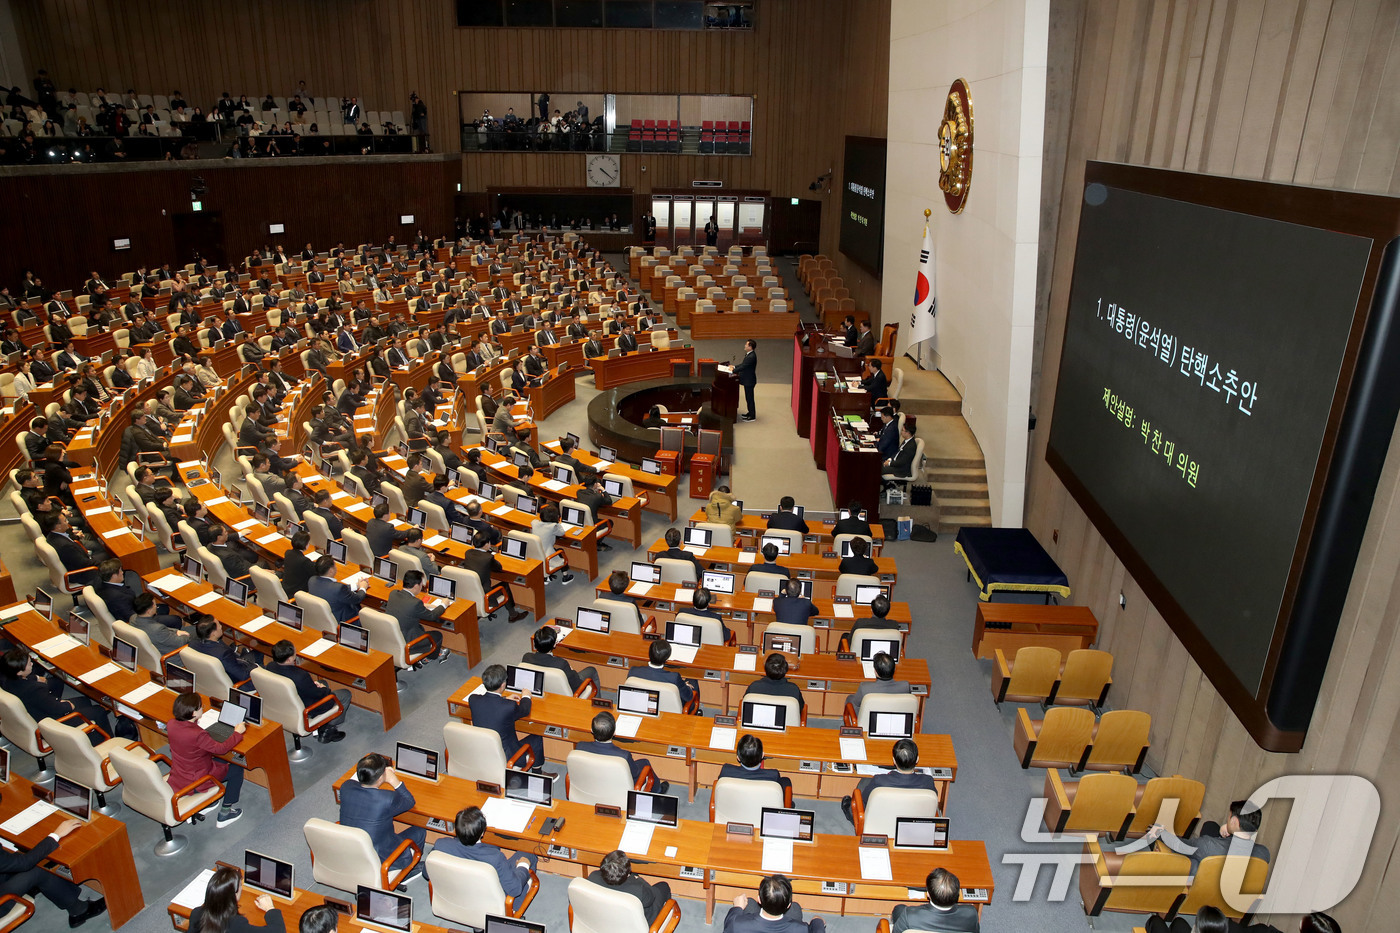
(1299, 91)
(818, 70)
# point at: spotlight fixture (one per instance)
(821, 180)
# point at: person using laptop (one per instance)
(615, 871)
(208, 639)
(790, 607)
(773, 912)
(674, 551)
(322, 507)
(879, 618)
(438, 496)
(220, 912)
(477, 522)
(42, 695)
(852, 524)
(657, 655)
(371, 802)
(592, 494)
(482, 561)
(413, 547)
(942, 913)
(465, 843)
(786, 519)
(543, 641)
(407, 608)
(195, 756)
(344, 602)
(770, 562)
(906, 759)
(162, 629)
(604, 727)
(297, 568)
(383, 537)
(858, 562)
(309, 690)
(884, 681)
(700, 606)
(749, 767)
(20, 874)
(493, 710)
(547, 527)
(774, 682)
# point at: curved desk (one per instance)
(615, 416)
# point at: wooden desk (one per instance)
(554, 393)
(571, 353)
(105, 521)
(262, 751)
(853, 472)
(302, 901)
(660, 488)
(831, 397)
(1013, 626)
(638, 366)
(96, 855)
(822, 571)
(732, 325)
(805, 359)
(818, 539)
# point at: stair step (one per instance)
(952, 523)
(930, 406)
(946, 491)
(959, 463)
(963, 507)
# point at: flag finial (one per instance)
(927, 213)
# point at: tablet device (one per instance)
(267, 874)
(592, 620)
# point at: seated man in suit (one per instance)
(369, 478)
(465, 843)
(236, 559)
(774, 682)
(657, 655)
(902, 463)
(543, 642)
(700, 606)
(20, 873)
(438, 496)
(1236, 837)
(68, 545)
(604, 727)
(773, 912)
(749, 751)
(674, 551)
(492, 710)
(884, 682)
(877, 383)
(615, 871)
(879, 616)
(344, 602)
(41, 695)
(112, 589)
(372, 800)
(853, 524)
(785, 518)
(479, 525)
(906, 759)
(381, 533)
(792, 608)
(160, 627)
(208, 639)
(272, 484)
(770, 562)
(309, 690)
(297, 568)
(407, 608)
(858, 562)
(322, 507)
(942, 913)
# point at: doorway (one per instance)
(199, 232)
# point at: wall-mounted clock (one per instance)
(604, 171)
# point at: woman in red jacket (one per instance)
(194, 755)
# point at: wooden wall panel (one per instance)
(1298, 91)
(817, 69)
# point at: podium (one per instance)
(671, 450)
(724, 391)
(705, 465)
(670, 462)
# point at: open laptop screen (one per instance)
(661, 809)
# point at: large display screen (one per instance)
(1205, 358)
(863, 201)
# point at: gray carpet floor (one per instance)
(988, 801)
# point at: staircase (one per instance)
(953, 463)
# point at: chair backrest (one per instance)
(711, 630)
(385, 635)
(464, 890)
(555, 680)
(100, 631)
(1186, 793)
(1034, 672)
(846, 583)
(721, 534)
(839, 540)
(214, 570)
(468, 585)
(738, 800)
(859, 636)
(318, 528)
(317, 613)
(1086, 676)
(210, 678)
(595, 908)
(1102, 803)
(357, 549)
(397, 504)
(1158, 889)
(676, 571)
(474, 753)
(1205, 887)
(885, 703)
(794, 538)
(806, 635)
(17, 726)
(144, 788)
(886, 804)
(284, 507)
(73, 755)
(1121, 740)
(669, 694)
(342, 857)
(146, 654)
(626, 483)
(281, 703)
(156, 520)
(403, 560)
(1064, 734)
(624, 616)
(756, 581)
(597, 778)
(269, 589)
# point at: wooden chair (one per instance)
(1085, 678)
(1103, 883)
(1060, 740)
(1187, 794)
(1030, 677)
(1120, 741)
(1097, 803)
(1205, 886)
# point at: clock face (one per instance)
(604, 171)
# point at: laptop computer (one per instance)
(124, 653)
(643, 572)
(268, 875)
(513, 547)
(251, 703)
(230, 715)
(76, 626)
(593, 620)
(756, 714)
(607, 453)
(873, 646)
(699, 537)
(574, 516)
(886, 724)
(442, 587)
(638, 700)
(350, 635)
(384, 908)
(718, 581)
(780, 823)
(530, 787)
(72, 798)
(651, 466)
(527, 504)
(524, 680)
(921, 832)
(237, 591)
(779, 641)
(386, 570)
(781, 542)
(683, 633)
(337, 551)
(289, 615)
(866, 592)
(657, 809)
(178, 679)
(416, 760)
(613, 487)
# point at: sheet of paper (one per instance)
(207, 718)
(777, 855)
(30, 815)
(192, 895)
(671, 851)
(252, 625)
(763, 604)
(602, 466)
(316, 648)
(356, 580)
(435, 540)
(867, 670)
(270, 538)
(477, 691)
(170, 582)
(636, 837)
(53, 647)
(98, 511)
(553, 485)
(745, 662)
(875, 863)
(638, 589)
(114, 533)
(340, 496)
(683, 654)
(8, 614)
(97, 673)
(843, 611)
(245, 524)
(140, 693)
(500, 510)
(627, 726)
(869, 770)
(747, 557)
(511, 816)
(205, 599)
(315, 478)
(86, 490)
(697, 551)
(723, 737)
(358, 507)
(852, 748)
(188, 464)
(217, 500)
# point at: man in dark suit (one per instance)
(322, 507)
(877, 383)
(884, 682)
(543, 641)
(71, 552)
(942, 913)
(785, 519)
(747, 372)
(381, 533)
(20, 874)
(675, 552)
(491, 710)
(237, 560)
(406, 606)
(902, 463)
(208, 639)
(888, 443)
(770, 563)
(415, 484)
(865, 343)
(655, 670)
(465, 843)
(906, 759)
(481, 560)
(858, 562)
(593, 347)
(627, 342)
(848, 327)
(41, 694)
(773, 912)
(372, 800)
(309, 690)
(1236, 837)
(604, 727)
(344, 602)
(297, 568)
(774, 682)
(853, 524)
(615, 871)
(119, 598)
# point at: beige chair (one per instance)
(594, 778)
(63, 579)
(1030, 677)
(805, 634)
(737, 800)
(882, 703)
(282, 704)
(721, 534)
(839, 540)
(796, 713)
(146, 654)
(622, 616)
(878, 814)
(669, 694)
(469, 587)
(343, 857)
(846, 583)
(475, 754)
(21, 731)
(856, 639)
(76, 758)
(357, 549)
(711, 630)
(1085, 679)
(1120, 741)
(1096, 803)
(1205, 889)
(386, 636)
(318, 529)
(1144, 882)
(316, 614)
(145, 790)
(1060, 740)
(758, 581)
(794, 538)
(14, 911)
(465, 891)
(268, 589)
(595, 908)
(1181, 795)
(100, 620)
(557, 682)
(677, 571)
(210, 678)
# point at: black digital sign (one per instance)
(863, 201)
